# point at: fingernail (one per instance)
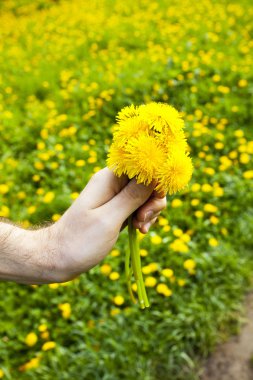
(146, 227)
(148, 215)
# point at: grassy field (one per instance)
(66, 69)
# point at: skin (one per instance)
(83, 236)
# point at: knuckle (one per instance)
(132, 192)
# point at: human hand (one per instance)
(90, 227)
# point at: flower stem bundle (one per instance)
(149, 144)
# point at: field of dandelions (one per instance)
(66, 69)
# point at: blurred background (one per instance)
(66, 69)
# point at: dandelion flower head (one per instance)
(149, 144)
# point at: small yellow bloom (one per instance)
(65, 309)
(48, 197)
(118, 300)
(195, 187)
(199, 214)
(248, 174)
(106, 269)
(56, 217)
(48, 346)
(45, 335)
(114, 276)
(242, 83)
(213, 242)
(54, 285)
(21, 195)
(208, 207)
(156, 239)
(42, 327)
(74, 195)
(181, 282)
(162, 221)
(195, 202)
(4, 188)
(143, 252)
(178, 232)
(31, 210)
(1, 373)
(4, 211)
(189, 264)
(115, 253)
(206, 188)
(39, 165)
(179, 246)
(176, 203)
(164, 290)
(115, 311)
(167, 272)
(80, 163)
(33, 363)
(214, 219)
(150, 281)
(31, 339)
(244, 158)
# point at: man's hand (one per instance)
(88, 230)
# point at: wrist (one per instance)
(28, 256)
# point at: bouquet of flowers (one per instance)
(149, 144)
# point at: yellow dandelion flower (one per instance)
(117, 159)
(189, 264)
(118, 300)
(160, 116)
(48, 346)
(150, 281)
(127, 112)
(31, 339)
(144, 156)
(175, 174)
(129, 128)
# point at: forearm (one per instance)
(27, 256)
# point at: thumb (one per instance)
(129, 199)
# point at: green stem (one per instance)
(128, 272)
(136, 264)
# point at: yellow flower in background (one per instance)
(33, 363)
(1, 373)
(118, 300)
(65, 309)
(181, 282)
(114, 276)
(4, 211)
(48, 197)
(149, 144)
(150, 281)
(248, 174)
(106, 269)
(167, 272)
(164, 290)
(4, 189)
(189, 265)
(156, 239)
(48, 346)
(176, 203)
(213, 242)
(208, 207)
(31, 339)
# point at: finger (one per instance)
(102, 187)
(138, 224)
(131, 197)
(145, 228)
(152, 207)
